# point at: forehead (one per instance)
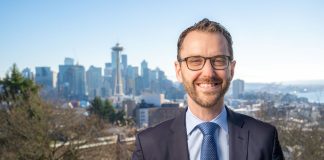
(204, 44)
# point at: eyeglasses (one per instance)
(196, 63)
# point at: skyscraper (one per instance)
(94, 81)
(79, 83)
(108, 81)
(130, 77)
(71, 81)
(238, 88)
(124, 62)
(45, 77)
(68, 61)
(27, 73)
(143, 67)
(145, 73)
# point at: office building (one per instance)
(237, 88)
(27, 73)
(45, 77)
(94, 81)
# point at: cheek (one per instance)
(224, 74)
(189, 76)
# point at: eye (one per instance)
(220, 61)
(195, 61)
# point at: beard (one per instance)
(207, 99)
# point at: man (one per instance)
(207, 129)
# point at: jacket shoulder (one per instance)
(156, 131)
(251, 123)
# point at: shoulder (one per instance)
(250, 123)
(157, 131)
(253, 123)
(153, 141)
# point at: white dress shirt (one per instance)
(195, 136)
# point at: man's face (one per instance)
(205, 87)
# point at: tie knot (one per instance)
(207, 128)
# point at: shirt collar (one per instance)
(192, 121)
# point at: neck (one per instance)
(205, 113)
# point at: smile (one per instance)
(208, 86)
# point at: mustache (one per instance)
(208, 80)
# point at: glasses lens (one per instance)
(220, 62)
(195, 63)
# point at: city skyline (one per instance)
(273, 41)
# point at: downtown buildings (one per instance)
(117, 78)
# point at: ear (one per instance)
(177, 67)
(232, 65)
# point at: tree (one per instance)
(120, 117)
(23, 129)
(15, 87)
(31, 128)
(110, 111)
(103, 109)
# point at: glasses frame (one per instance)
(228, 59)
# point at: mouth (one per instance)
(208, 86)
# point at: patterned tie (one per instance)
(208, 147)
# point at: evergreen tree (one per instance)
(120, 117)
(103, 109)
(110, 111)
(15, 87)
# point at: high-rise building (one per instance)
(27, 73)
(143, 67)
(145, 73)
(68, 61)
(130, 76)
(237, 88)
(132, 72)
(108, 81)
(94, 81)
(108, 72)
(65, 80)
(124, 62)
(71, 82)
(79, 83)
(45, 77)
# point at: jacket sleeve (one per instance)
(138, 153)
(277, 152)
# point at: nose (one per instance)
(208, 70)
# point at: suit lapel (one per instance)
(238, 136)
(178, 138)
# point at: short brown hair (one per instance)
(206, 25)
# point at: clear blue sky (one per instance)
(274, 41)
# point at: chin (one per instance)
(207, 102)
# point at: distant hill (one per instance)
(304, 82)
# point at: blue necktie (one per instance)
(208, 147)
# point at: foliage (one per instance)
(33, 129)
(299, 140)
(105, 110)
(15, 87)
(303, 142)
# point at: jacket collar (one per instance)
(238, 136)
(179, 145)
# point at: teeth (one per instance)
(205, 85)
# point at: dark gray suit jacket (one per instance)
(249, 139)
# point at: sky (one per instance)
(274, 41)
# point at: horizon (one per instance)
(273, 41)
